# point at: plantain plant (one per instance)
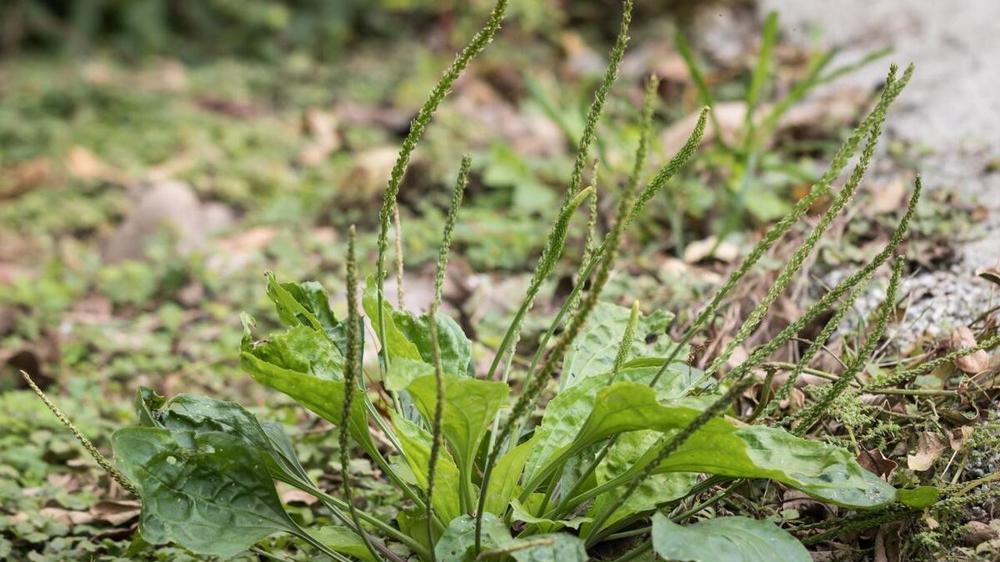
(623, 452)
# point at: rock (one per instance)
(165, 206)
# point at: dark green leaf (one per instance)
(206, 491)
(290, 310)
(399, 344)
(304, 350)
(629, 449)
(725, 539)
(456, 349)
(458, 542)
(201, 414)
(403, 371)
(147, 402)
(556, 547)
(523, 514)
(314, 299)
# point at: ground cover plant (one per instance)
(611, 468)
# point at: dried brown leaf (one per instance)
(929, 448)
(963, 338)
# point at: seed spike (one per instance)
(478, 43)
(352, 368)
(100, 459)
(442, 263)
(812, 415)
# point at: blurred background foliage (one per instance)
(269, 29)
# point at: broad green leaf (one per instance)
(520, 512)
(628, 449)
(399, 345)
(728, 448)
(459, 539)
(469, 407)
(565, 414)
(307, 303)
(506, 475)
(413, 523)
(556, 547)
(456, 349)
(725, 539)
(403, 371)
(206, 491)
(344, 541)
(416, 444)
(147, 402)
(324, 397)
(918, 498)
(593, 351)
(290, 310)
(187, 412)
(314, 299)
(304, 350)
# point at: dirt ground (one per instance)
(949, 116)
(952, 106)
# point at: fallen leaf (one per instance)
(929, 448)
(887, 543)
(959, 436)
(963, 338)
(321, 127)
(874, 461)
(66, 516)
(975, 533)
(297, 496)
(886, 198)
(84, 164)
(24, 177)
(115, 512)
(710, 247)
